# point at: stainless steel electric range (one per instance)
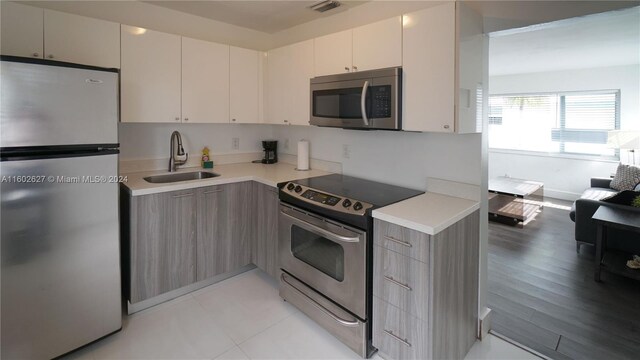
(326, 249)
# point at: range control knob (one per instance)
(298, 189)
(290, 186)
(357, 206)
(346, 203)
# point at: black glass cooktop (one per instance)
(374, 193)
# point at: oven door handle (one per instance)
(363, 103)
(319, 306)
(321, 231)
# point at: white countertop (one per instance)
(429, 213)
(271, 175)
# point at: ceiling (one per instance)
(265, 16)
(600, 40)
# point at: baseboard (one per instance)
(145, 304)
(562, 195)
(484, 323)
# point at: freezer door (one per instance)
(45, 105)
(60, 256)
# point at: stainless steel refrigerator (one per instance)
(59, 214)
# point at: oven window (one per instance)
(317, 251)
(338, 103)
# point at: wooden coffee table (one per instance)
(614, 261)
(514, 201)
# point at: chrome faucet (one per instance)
(173, 163)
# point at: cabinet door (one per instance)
(378, 45)
(241, 216)
(332, 53)
(298, 86)
(163, 246)
(472, 59)
(21, 27)
(205, 82)
(81, 40)
(224, 229)
(244, 85)
(150, 76)
(429, 69)
(277, 74)
(213, 230)
(264, 253)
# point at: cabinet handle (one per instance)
(234, 120)
(394, 336)
(286, 121)
(177, 118)
(346, 68)
(50, 56)
(394, 281)
(186, 119)
(446, 126)
(35, 55)
(355, 68)
(403, 243)
(213, 191)
(182, 195)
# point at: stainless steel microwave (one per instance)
(359, 100)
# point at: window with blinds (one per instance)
(573, 123)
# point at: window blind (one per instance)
(575, 123)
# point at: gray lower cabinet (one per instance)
(224, 230)
(264, 252)
(174, 239)
(162, 243)
(425, 303)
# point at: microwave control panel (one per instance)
(381, 96)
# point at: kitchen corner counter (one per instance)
(429, 213)
(270, 174)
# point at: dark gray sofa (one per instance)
(585, 228)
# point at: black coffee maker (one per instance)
(270, 148)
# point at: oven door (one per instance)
(327, 256)
(363, 103)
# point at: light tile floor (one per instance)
(239, 318)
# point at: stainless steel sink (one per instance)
(186, 176)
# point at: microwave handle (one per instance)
(363, 103)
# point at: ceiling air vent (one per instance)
(325, 5)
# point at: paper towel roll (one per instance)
(303, 155)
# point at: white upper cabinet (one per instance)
(22, 30)
(81, 40)
(298, 97)
(289, 70)
(378, 45)
(277, 75)
(244, 85)
(333, 53)
(150, 76)
(442, 75)
(205, 82)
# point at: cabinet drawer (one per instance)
(402, 240)
(401, 281)
(397, 334)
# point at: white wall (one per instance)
(566, 177)
(400, 158)
(151, 141)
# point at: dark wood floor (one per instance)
(543, 295)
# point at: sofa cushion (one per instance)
(627, 177)
(597, 193)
